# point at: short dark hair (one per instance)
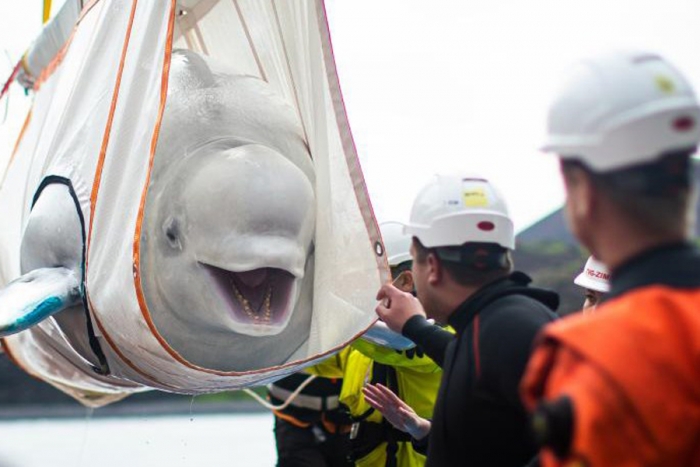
(471, 264)
(655, 197)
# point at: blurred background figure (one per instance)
(595, 280)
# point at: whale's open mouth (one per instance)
(261, 300)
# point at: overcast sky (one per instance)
(454, 85)
(464, 85)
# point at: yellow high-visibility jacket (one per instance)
(417, 381)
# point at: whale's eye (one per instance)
(171, 228)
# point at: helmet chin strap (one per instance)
(480, 256)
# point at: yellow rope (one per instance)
(47, 10)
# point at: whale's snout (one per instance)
(227, 249)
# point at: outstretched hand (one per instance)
(396, 307)
(396, 411)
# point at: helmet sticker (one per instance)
(665, 84)
(475, 197)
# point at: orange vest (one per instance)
(632, 372)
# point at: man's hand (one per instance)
(396, 411)
(397, 307)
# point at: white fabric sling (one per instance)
(95, 121)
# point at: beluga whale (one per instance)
(228, 230)
(229, 220)
(185, 209)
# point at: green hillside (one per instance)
(553, 265)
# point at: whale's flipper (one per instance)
(35, 296)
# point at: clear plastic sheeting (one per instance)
(97, 121)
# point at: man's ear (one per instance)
(404, 282)
(581, 194)
(434, 269)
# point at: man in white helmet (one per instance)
(622, 386)
(461, 248)
(595, 281)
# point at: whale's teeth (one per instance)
(265, 306)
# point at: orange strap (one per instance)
(12, 77)
(329, 426)
(105, 141)
(288, 418)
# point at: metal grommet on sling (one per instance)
(379, 248)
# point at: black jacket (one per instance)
(479, 419)
(430, 338)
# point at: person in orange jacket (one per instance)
(621, 386)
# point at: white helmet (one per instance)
(595, 276)
(452, 210)
(396, 243)
(623, 109)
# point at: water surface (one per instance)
(148, 441)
